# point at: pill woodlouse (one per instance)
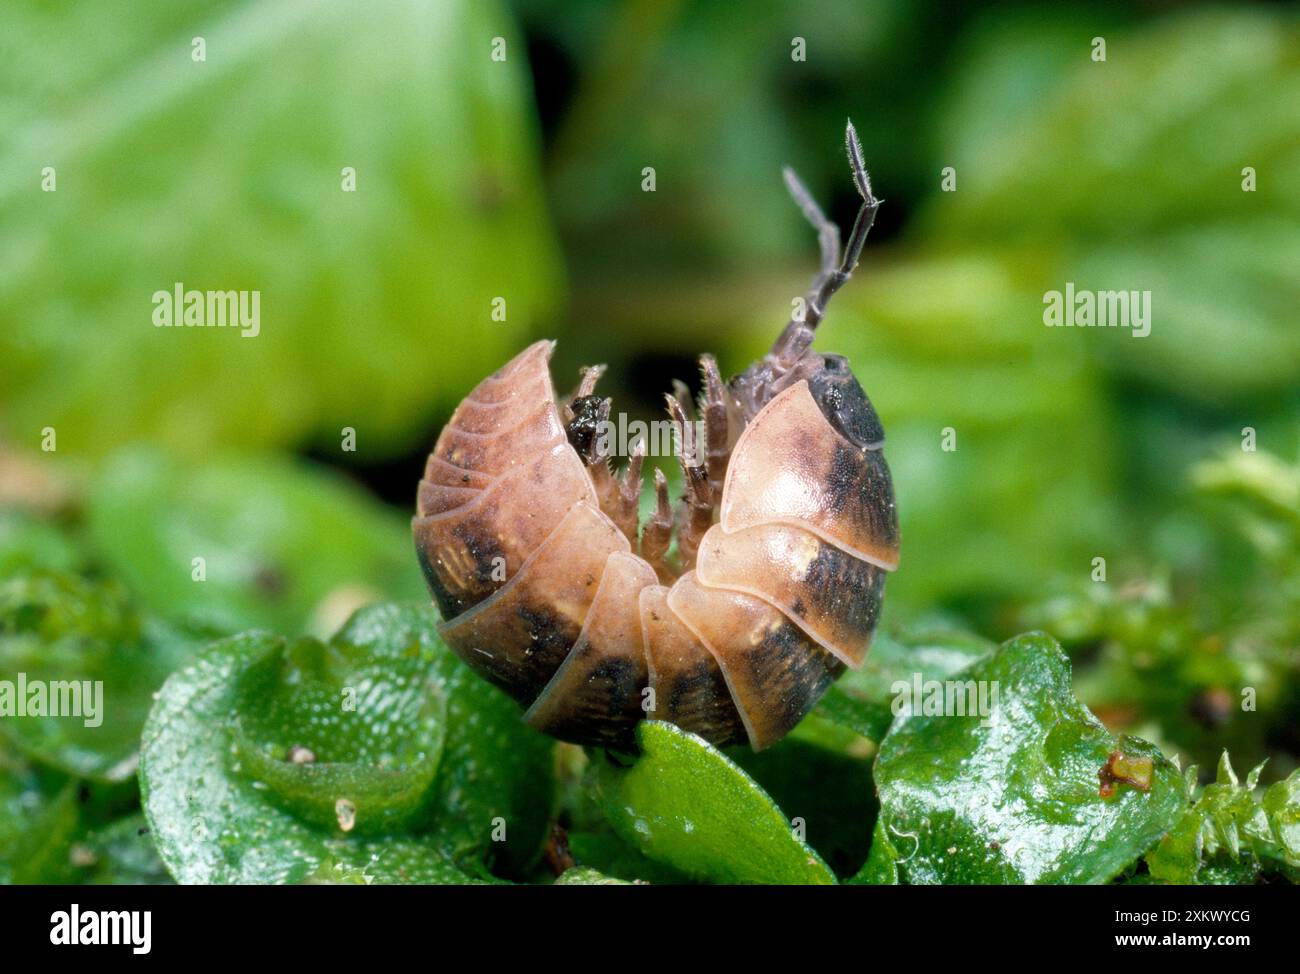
(552, 590)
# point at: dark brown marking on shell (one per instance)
(460, 548)
(608, 706)
(860, 490)
(844, 403)
(845, 589)
(838, 596)
(775, 672)
(791, 466)
(689, 689)
(472, 579)
(595, 696)
(518, 637)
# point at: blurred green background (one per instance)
(522, 179)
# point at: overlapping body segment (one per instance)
(552, 590)
(546, 597)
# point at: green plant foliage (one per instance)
(1214, 666)
(90, 663)
(414, 762)
(1233, 832)
(583, 876)
(606, 854)
(827, 795)
(325, 734)
(1172, 89)
(1199, 95)
(38, 822)
(863, 699)
(683, 803)
(226, 174)
(27, 542)
(285, 545)
(1015, 798)
(120, 854)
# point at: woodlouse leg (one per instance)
(835, 268)
(658, 531)
(713, 405)
(696, 511)
(628, 502)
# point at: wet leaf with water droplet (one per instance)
(1016, 794)
(585, 876)
(424, 756)
(862, 700)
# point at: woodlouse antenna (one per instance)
(836, 267)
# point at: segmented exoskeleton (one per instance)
(552, 590)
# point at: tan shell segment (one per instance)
(790, 465)
(776, 674)
(442, 473)
(689, 689)
(504, 384)
(543, 597)
(495, 453)
(471, 551)
(438, 499)
(595, 696)
(518, 637)
(509, 416)
(830, 594)
(472, 416)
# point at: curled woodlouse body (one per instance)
(551, 589)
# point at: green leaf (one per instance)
(605, 853)
(881, 867)
(285, 545)
(78, 650)
(863, 699)
(493, 765)
(28, 543)
(1209, 280)
(1232, 834)
(1015, 798)
(120, 854)
(422, 762)
(681, 802)
(1200, 94)
(829, 794)
(584, 876)
(39, 819)
(295, 701)
(227, 175)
